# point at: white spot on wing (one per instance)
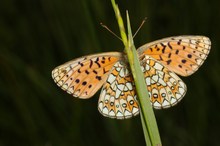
(55, 74)
(162, 82)
(113, 86)
(112, 98)
(165, 103)
(121, 87)
(68, 69)
(163, 92)
(192, 45)
(107, 97)
(173, 100)
(60, 83)
(182, 84)
(152, 81)
(158, 66)
(103, 92)
(64, 87)
(111, 78)
(122, 101)
(117, 93)
(206, 46)
(118, 69)
(147, 67)
(127, 113)
(70, 90)
(185, 40)
(161, 73)
(105, 110)
(129, 85)
(129, 98)
(56, 79)
(147, 81)
(193, 41)
(148, 61)
(135, 110)
(122, 73)
(203, 55)
(172, 80)
(155, 78)
(100, 106)
(194, 67)
(111, 113)
(206, 41)
(178, 96)
(156, 104)
(198, 61)
(205, 51)
(126, 88)
(119, 114)
(181, 90)
(154, 91)
(173, 75)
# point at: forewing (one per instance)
(82, 77)
(182, 55)
(118, 95)
(165, 88)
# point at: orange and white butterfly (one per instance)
(160, 61)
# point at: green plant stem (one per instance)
(146, 134)
(148, 119)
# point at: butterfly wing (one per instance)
(165, 88)
(182, 55)
(82, 77)
(118, 95)
(118, 98)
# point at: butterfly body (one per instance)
(160, 62)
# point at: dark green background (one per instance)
(38, 35)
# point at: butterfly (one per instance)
(160, 61)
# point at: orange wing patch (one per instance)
(82, 77)
(182, 55)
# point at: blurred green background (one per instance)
(38, 35)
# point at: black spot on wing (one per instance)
(183, 61)
(84, 83)
(179, 42)
(169, 61)
(170, 46)
(95, 71)
(169, 55)
(177, 52)
(189, 56)
(98, 78)
(91, 63)
(87, 72)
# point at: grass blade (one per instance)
(148, 119)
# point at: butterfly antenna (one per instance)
(142, 23)
(106, 27)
